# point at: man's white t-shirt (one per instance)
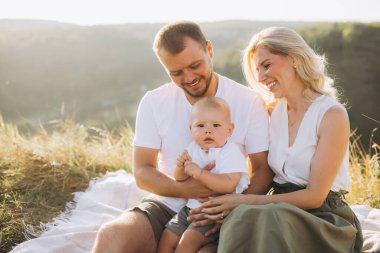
(163, 119)
(228, 159)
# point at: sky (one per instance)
(91, 12)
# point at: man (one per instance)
(162, 133)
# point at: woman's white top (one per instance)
(293, 164)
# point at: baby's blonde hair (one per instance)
(212, 102)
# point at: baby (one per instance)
(210, 128)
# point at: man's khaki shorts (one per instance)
(157, 213)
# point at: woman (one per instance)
(308, 153)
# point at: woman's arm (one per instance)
(331, 148)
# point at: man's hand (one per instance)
(193, 189)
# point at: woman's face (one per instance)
(275, 72)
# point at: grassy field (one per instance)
(365, 173)
(41, 169)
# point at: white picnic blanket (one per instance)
(109, 196)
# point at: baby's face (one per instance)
(210, 127)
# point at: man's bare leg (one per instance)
(130, 233)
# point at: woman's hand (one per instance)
(214, 210)
(218, 208)
(198, 220)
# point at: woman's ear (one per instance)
(293, 61)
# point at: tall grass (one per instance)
(365, 172)
(40, 170)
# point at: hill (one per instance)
(97, 74)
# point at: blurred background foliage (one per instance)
(97, 74)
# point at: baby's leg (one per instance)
(168, 242)
(191, 241)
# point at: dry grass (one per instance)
(39, 171)
(365, 173)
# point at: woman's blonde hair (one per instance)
(309, 66)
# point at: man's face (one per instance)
(191, 69)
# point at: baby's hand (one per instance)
(182, 158)
(192, 170)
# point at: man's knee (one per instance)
(108, 230)
(124, 225)
(131, 232)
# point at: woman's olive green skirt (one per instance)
(284, 228)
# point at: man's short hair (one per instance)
(171, 37)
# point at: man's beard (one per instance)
(203, 92)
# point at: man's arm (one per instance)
(261, 174)
(149, 178)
